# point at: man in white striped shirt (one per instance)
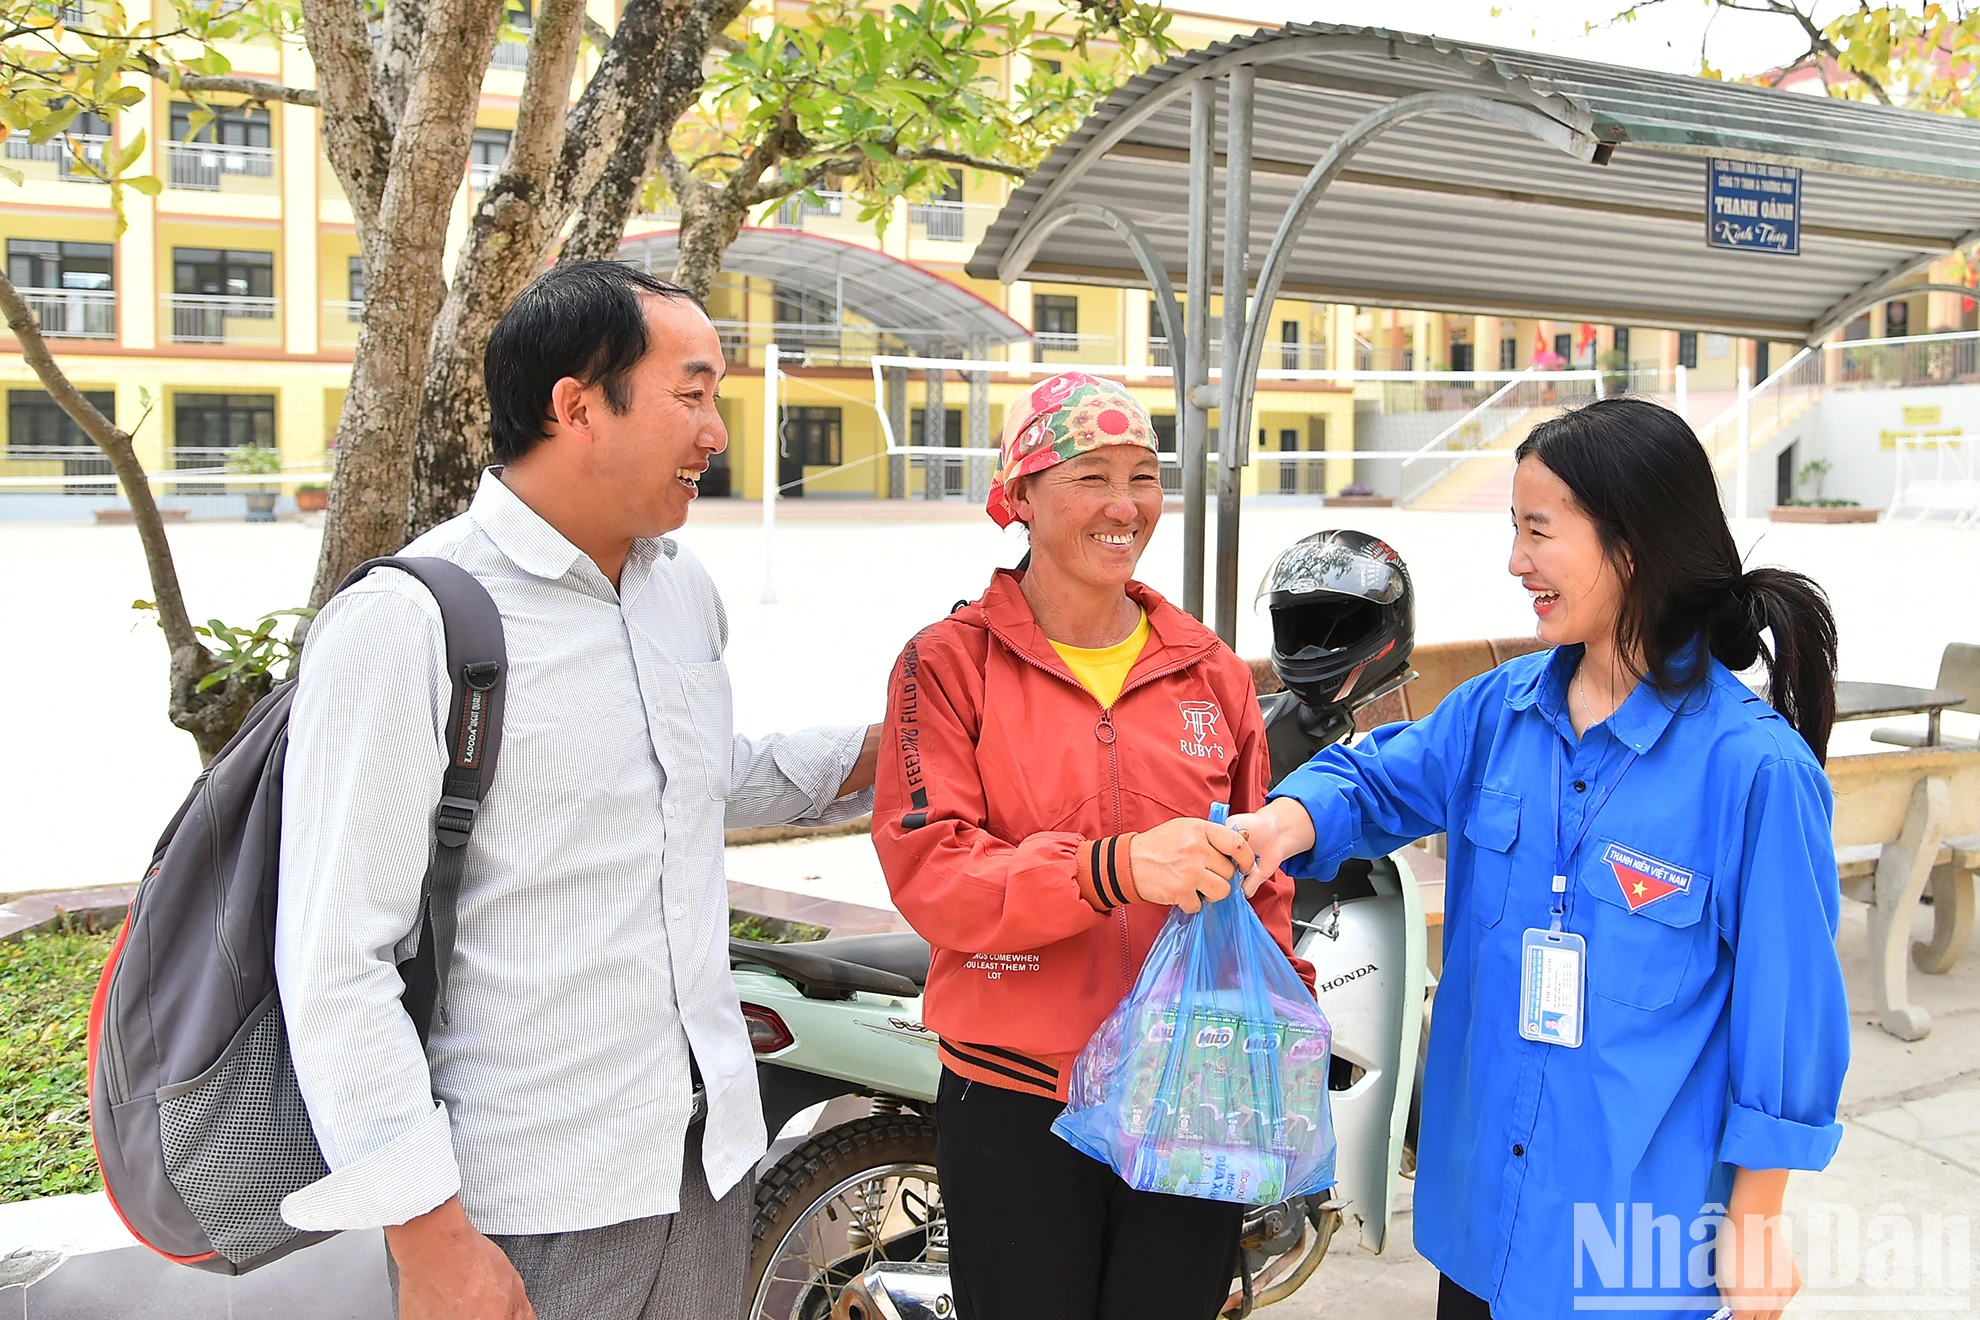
(544, 1155)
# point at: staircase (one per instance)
(1483, 485)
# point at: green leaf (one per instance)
(127, 157)
(147, 184)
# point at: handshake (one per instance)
(1187, 862)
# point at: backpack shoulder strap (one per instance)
(478, 669)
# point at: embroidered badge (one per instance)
(1645, 879)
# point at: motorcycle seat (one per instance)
(903, 953)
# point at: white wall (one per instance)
(1847, 428)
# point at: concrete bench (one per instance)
(1905, 819)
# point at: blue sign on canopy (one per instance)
(1753, 207)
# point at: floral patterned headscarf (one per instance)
(1062, 418)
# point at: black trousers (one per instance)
(1038, 1231)
(1454, 1303)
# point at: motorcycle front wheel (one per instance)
(840, 1203)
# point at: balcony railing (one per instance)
(74, 313)
(793, 213)
(84, 461)
(1084, 348)
(217, 167)
(340, 324)
(223, 319)
(480, 175)
(57, 152)
(511, 54)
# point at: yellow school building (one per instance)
(226, 314)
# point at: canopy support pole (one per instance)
(1193, 354)
(1232, 451)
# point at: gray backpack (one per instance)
(200, 1127)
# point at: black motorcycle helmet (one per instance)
(1343, 618)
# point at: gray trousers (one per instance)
(692, 1265)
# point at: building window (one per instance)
(1564, 346)
(1622, 342)
(36, 421)
(1055, 314)
(952, 427)
(225, 273)
(1409, 358)
(233, 126)
(1461, 357)
(1688, 349)
(1508, 354)
(357, 280)
(486, 152)
(813, 437)
(43, 263)
(223, 421)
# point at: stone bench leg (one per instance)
(1952, 919)
(1902, 870)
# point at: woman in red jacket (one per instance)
(1052, 750)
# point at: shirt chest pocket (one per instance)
(700, 729)
(1643, 929)
(1492, 827)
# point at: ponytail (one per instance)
(1801, 664)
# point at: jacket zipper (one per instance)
(1108, 738)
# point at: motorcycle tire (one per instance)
(853, 1160)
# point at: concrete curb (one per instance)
(97, 909)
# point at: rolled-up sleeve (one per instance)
(1789, 1013)
(362, 779)
(794, 778)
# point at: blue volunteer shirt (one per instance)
(1552, 1181)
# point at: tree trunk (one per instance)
(609, 208)
(404, 284)
(515, 227)
(706, 232)
(210, 716)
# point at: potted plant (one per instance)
(1358, 496)
(257, 460)
(312, 498)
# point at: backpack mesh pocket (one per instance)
(237, 1140)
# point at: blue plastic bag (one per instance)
(1210, 1078)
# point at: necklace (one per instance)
(1581, 682)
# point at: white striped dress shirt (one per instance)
(592, 954)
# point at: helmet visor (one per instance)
(1328, 565)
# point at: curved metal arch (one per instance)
(1365, 130)
(1011, 265)
(1843, 312)
(1151, 266)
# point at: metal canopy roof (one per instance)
(929, 314)
(1605, 221)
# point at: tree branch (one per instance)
(116, 446)
(258, 90)
(963, 158)
(357, 133)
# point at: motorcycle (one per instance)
(849, 1222)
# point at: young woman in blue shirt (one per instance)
(1625, 1061)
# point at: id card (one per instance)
(1553, 967)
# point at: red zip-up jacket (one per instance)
(1006, 802)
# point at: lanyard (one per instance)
(1563, 853)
